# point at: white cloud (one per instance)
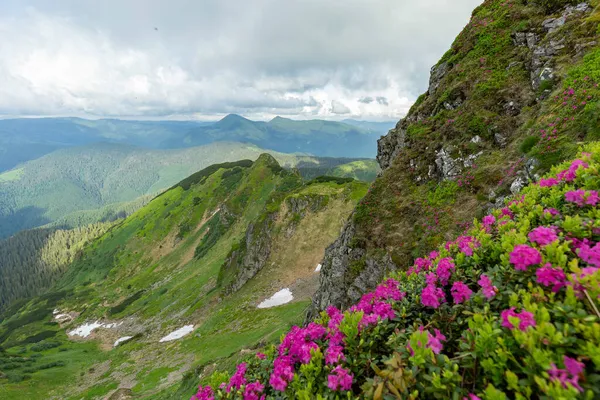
(303, 58)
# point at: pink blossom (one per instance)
(466, 244)
(548, 182)
(525, 319)
(488, 220)
(431, 278)
(283, 373)
(239, 378)
(434, 342)
(488, 289)
(568, 376)
(505, 212)
(471, 397)
(444, 270)
(204, 393)
(340, 379)
(253, 391)
(315, 331)
(543, 235)
(590, 255)
(523, 256)
(582, 197)
(432, 296)
(549, 276)
(261, 356)
(334, 354)
(460, 292)
(551, 211)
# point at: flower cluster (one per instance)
(525, 318)
(568, 376)
(524, 256)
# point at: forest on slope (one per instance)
(70, 185)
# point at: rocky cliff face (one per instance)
(501, 107)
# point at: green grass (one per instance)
(13, 175)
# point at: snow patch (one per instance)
(122, 340)
(318, 268)
(282, 297)
(62, 317)
(85, 330)
(178, 334)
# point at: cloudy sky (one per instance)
(202, 59)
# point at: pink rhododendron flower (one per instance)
(340, 379)
(568, 376)
(543, 235)
(471, 397)
(488, 289)
(283, 373)
(253, 391)
(431, 278)
(315, 331)
(590, 255)
(434, 342)
(433, 255)
(549, 276)
(582, 197)
(239, 378)
(261, 356)
(488, 220)
(204, 393)
(444, 270)
(548, 182)
(526, 319)
(334, 354)
(432, 296)
(551, 211)
(460, 292)
(466, 244)
(523, 256)
(505, 212)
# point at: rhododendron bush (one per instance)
(510, 310)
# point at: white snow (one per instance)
(318, 268)
(86, 329)
(122, 340)
(178, 334)
(282, 297)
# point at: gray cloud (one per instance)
(382, 100)
(208, 57)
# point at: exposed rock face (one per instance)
(389, 146)
(245, 262)
(340, 284)
(437, 74)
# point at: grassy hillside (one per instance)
(71, 186)
(158, 271)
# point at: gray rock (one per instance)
(438, 72)
(578, 9)
(580, 47)
(522, 39)
(552, 24)
(338, 285)
(518, 184)
(513, 64)
(389, 146)
(448, 167)
(512, 108)
(500, 139)
(476, 139)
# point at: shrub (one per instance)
(508, 311)
(528, 143)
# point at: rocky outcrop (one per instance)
(250, 257)
(389, 146)
(347, 273)
(438, 72)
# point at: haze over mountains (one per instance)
(29, 138)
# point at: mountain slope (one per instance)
(161, 269)
(57, 186)
(320, 138)
(514, 95)
(26, 139)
